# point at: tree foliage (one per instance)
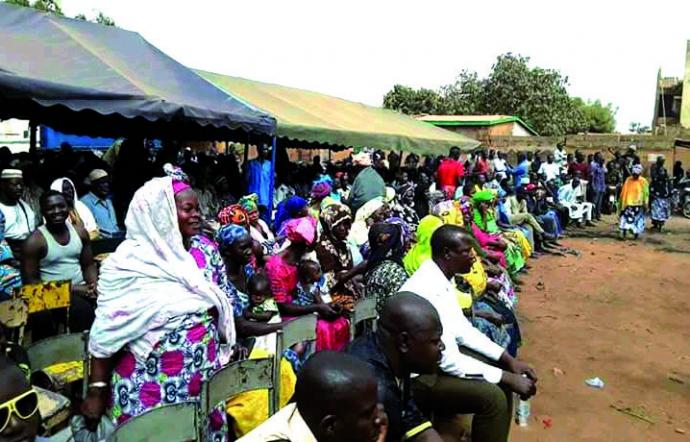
(53, 6)
(536, 95)
(638, 128)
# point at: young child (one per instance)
(262, 307)
(311, 288)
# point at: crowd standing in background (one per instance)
(201, 272)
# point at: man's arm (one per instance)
(88, 265)
(33, 250)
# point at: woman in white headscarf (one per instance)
(159, 320)
(79, 214)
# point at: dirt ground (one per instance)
(620, 311)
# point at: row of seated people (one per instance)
(169, 295)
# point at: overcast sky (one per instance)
(358, 50)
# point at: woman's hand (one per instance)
(93, 408)
(325, 311)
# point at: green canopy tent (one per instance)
(310, 119)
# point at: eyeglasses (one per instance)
(24, 406)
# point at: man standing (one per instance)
(407, 340)
(258, 176)
(19, 218)
(450, 173)
(580, 165)
(560, 156)
(59, 251)
(501, 167)
(98, 201)
(597, 183)
(550, 170)
(465, 384)
(335, 401)
(368, 183)
(521, 171)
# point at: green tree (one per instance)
(464, 96)
(53, 7)
(638, 128)
(413, 101)
(104, 19)
(536, 95)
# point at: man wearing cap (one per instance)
(20, 220)
(98, 201)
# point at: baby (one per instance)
(311, 288)
(262, 307)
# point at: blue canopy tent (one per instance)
(89, 79)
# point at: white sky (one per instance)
(358, 50)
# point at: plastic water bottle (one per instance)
(522, 413)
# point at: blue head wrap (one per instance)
(230, 233)
(288, 209)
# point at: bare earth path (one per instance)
(620, 311)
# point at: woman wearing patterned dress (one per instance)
(159, 321)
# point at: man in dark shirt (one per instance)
(408, 340)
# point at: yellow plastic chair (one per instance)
(61, 349)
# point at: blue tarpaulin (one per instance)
(52, 139)
(90, 79)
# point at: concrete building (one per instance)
(481, 127)
(672, 99)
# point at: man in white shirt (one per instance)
(561, 157)
(571, 196)
(20, 220)
(500, 165)
(336, 400)
(550, 169)
(465, 384)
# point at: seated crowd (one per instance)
(203, 278)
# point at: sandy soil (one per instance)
(620, 311)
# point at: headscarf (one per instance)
(407, 233)
(180, 179)
(488, 225)
(391, 249)
(229, 233)
(233, 214)
(483, 196)
(448, 212)
(250, 203)
(81, 214)
(149, 285)
(360, 230)
(422, 250)
(334, 215)
(300, 230)
(288, 209)
(637, 169)
(321, 190)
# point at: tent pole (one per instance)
(32, 136)
(273, 177)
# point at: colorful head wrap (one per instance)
(483, 196)
(233, 214)
(334, 215)
(229, 233)
(637, 169)
(422, 250)
(289, 208)
(321, 189)
(250, 203)
(180, 180)
(300, 230)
